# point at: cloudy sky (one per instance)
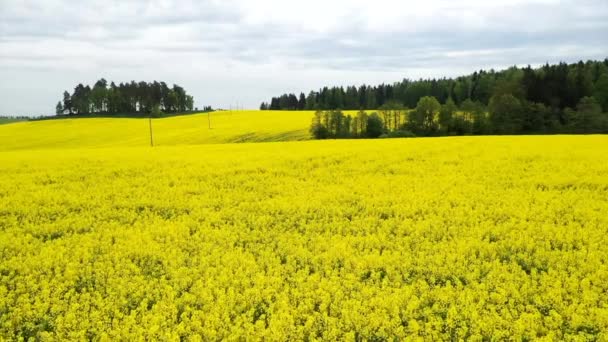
(230, 51)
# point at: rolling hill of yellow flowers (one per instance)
(226, 127)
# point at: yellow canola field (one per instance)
(467, 238)
(226, 127)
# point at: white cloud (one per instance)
(261, 48)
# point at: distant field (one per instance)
(226, 127)
(464, 238)
(4, 121)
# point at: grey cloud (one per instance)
(189, 41)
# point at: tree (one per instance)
(59, 108)
(345, 127)
(461, 90)
(579, 83)
(274, 104)
(189, 103)
(311, 101)
(164, 96)
(391, 112)
(172, 102)
(292, 102)
(317, 129)
(99, 96)
(114, 99)
(80, 99)
(531, 85)
(126, 98)
(446, 115)
(156, 112)
(425, 118)
(370, 99)
(510, 82)
(567, 118)
(335, 123)
(482, 86)
(374, 126)
(180, 95)
(559, 85)
(67, 102)
(600, 92)
(351, 98)
(534, 117)
(505, 114)
(359, 124)
(302, 102)
(155, 94)
(587, 118)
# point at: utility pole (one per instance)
(150, 124)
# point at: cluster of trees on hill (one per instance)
(125, 98)
(505, 114)
(557, 87)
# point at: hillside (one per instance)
(8, 120)
(226, 127)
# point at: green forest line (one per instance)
(560, 98)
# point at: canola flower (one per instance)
(226, 127)
(466, 238)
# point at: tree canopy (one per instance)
(506, 114)
(125, 98)
(560, 98)
(556, 86)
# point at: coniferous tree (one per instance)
(126, 98)
(302, 101)
(67, 102)
(601, 91)
(555, 86)
(59, 108)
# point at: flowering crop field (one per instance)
(226, 127)
(464, 238)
